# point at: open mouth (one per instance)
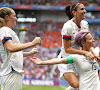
(83, 14)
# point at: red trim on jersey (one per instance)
(66, 37)
(6, 38)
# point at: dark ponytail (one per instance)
(70, 8)
(67, 11)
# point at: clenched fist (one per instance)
(34, 51)
(36, 41)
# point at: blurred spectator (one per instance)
(97, 43)
(45, 2)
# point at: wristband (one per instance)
(69, 59)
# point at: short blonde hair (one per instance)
(3, 12)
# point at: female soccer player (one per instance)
(87, 70)
(76, 14)
(10, 50)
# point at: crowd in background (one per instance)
(50, 2)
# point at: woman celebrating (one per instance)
(11, 51)
(87, 70)
(76, 14)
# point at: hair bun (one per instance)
(2, 22)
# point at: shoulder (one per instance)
(67, 28)
(67, 24)
(76, 56)
(84, 22)
(5, 29)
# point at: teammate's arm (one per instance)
(11, 47)
(95, 53)
(32, 52)
(69, 49)
(66, 60)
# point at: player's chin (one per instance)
(83, 17)
(14, 24)
(92, 45)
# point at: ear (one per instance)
(82, 43)
(74, 13)
(6, 17)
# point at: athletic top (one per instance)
(87, 71)
(11, 61)
(69, 31)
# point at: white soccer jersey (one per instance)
(88, 73)
(10, 60)
(69, 31)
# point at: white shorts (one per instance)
(65, 68)
(11, 81)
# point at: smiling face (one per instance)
(12, 18)
(80, 13)
(88, 43)
(9, 17)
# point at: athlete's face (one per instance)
(80, 13)
(89, 41)
(12, 18)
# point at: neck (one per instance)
(86, 49)
(8, 26)
(77, 21)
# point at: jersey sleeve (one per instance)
(6, 35)
(66, 32)
(75, 58)
(72, 58)
(86, 25)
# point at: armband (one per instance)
(69, 59)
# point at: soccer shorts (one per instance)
(11, 81)
(65, 68)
